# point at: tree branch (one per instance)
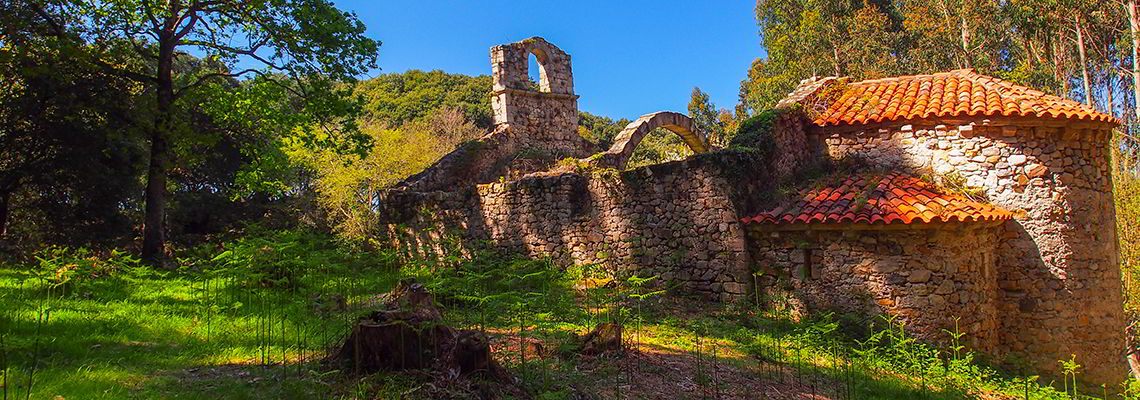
(204, 78)
(251, 53)
(55, 25)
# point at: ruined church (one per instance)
(976, 204)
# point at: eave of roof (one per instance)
(878, 199)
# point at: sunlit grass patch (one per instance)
(257, 319)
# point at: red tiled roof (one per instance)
(891, 198)
(955, 93)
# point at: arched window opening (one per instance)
(536, 72)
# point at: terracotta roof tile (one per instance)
(960, 92)
(892, 198)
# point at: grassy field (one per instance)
(255, 318)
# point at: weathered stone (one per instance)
(1017, 159)
(1035, 170)
(918, 276)
(946, 287)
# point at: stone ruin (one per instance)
(1029, 272)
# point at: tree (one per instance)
(600, 130)
(414, 95)
(806, 38)
(310, 43)
(70, 156)
(705, 117)
(949, 34)
(1134, 30)
(346, 186)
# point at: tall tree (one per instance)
(805, 38)
(705, 117)
(947, 34)
(1083, 59)
(70, 156)
(309, 43)
(1134, 35)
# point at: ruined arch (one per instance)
(509, 67)
(626, 141)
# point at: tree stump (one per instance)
(605, 337)
(408, 333)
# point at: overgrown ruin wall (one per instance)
(1058, 271)
(531, 118)
(677, 220)
(1040, 287)
(935, 280)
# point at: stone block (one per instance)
(918, 276)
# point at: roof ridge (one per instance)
(957, 92)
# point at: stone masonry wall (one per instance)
(929, 278)
(1058, 272)
(547, 114)
(677, 220)
(527, 120)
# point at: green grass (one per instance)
(254, 318)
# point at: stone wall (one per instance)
(676, 220)
(548, 113)
(931, 278)
(1058, 269)
(528, 120)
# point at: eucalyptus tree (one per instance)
(304, 46)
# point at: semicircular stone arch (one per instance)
(626, 141)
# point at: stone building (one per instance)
(975, 204)
(1053, 278)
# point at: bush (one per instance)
(280, 258)
(755, 132)
(68, 268)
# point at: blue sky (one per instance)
(630, 57)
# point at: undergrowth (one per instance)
(255, 317)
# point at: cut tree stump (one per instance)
(606, 337)
(408, 333)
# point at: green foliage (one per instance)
(281, 259)
(659, 146)
(755, 132)
(218, 328)
(706, 118)
(306, 47)
(1022, 41)
(396, 99)
(347, 186)
(1126, 193)
(70, 153)
(67, 270)
(81, 324)
(820, 38)
(600, 130)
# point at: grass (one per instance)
(254, 319)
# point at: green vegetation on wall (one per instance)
(1126, 187)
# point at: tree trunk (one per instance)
(154, 225)
(5, 206)
(1134, 25)
(1084, 63)
(835, 60)
(966, 43)
(1108, 82)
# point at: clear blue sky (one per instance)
(630, 57)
